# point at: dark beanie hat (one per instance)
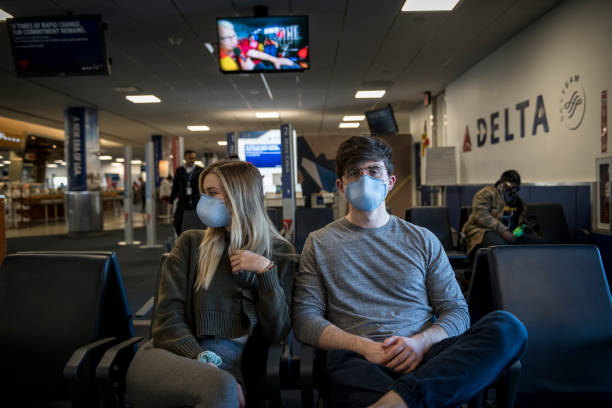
(511, 176)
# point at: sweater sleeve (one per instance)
(274, 299)
(443, 291)
(170, 329)
(481, 208)
(310, 298)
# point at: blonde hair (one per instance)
(250, 227)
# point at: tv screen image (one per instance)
(51, 46)
(263, 155)
(263, 44)
(381, 121)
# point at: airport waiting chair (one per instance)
(192, 221)
(58, 313)
(436, 220)
(464, 215)
(308, 220)
(262, 365)
(561, 295)
(551, 222)
(479, 295)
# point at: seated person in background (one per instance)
(380, 295)
(216, 286)
(496, 212)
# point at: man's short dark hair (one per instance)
(188, 152)
(510, 175)
(357, 149)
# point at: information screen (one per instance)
(263, 155)
(51, 46)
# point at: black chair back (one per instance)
(276, 217)
(51, 305)
(192, 221)
(551, 222)
(480, 297)
(308, 220)
(561, 295)
(436, 220)
(464, 214)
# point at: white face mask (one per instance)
(212, 211)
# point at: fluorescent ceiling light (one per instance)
(209, 47)
(137, 161)
(4, 15)
(119, 159)
(143, 98)
(349, 125)
(58, 161)
(51, 165)
(7, 162)
(115, 164)
(198, 128)
(222, 142)
(266, 115)
(353, 118)
(370, 94)
(429, 5)
(106, 157)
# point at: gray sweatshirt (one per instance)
(376, 282)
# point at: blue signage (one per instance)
(232, 144)
(76, 158)
(157, 155)
(263, 155)
(286, 161)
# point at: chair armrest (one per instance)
(78, 367)
(307, 374)
(273, 369)
(112, 369)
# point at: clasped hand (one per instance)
(243, 260)
(400, 354)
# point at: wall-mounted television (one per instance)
(263, 44)
(51, 46)
(381, 121)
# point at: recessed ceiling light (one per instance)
(429, 5)
(266, 115)
(6, 162)
(379, 93)
(51, 165)
(126, 89)
(137, 161)
(198, 128)
(353, 118)
(115, 164)
(106, 157)
(222, 142)
(349, 125)
(119, 160)
(4, 15)
(143, 98)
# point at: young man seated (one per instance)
(380, 295)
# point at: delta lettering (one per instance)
(495, 134)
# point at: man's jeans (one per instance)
(452, 371)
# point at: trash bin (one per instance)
(84, 211)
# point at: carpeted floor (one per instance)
(138, 266)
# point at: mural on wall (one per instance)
(318, 173)
(573, 103)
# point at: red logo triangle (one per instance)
(467, 143)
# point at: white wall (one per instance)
(573, 39)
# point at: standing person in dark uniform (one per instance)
(185, 187)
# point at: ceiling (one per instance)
(158, 47)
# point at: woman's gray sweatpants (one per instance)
(158, 378)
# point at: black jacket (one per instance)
(179, 187)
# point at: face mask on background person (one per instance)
(366, 193)
(508, 193)
(212, 211)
